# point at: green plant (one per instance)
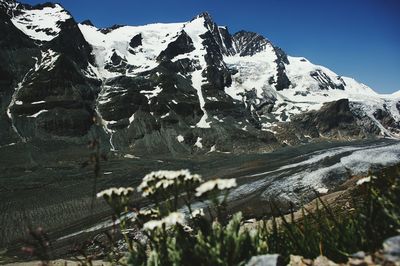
(177, 234)
(337, 234)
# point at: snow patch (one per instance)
(132, 118)
(213, 149)
(198, 143)
(180, 138)
(41, 24)
(38, 113)
(151, 94)
(38, 102)
(164, 116)
(254, 72)
(130, 156)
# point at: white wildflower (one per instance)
(195, 178)
(172, 219)
(197, 213)
(187, 229)
(164, 183)
(145, 212)
(148, 212)
(151, 225)
(122, 191)
(148, 191)
(226, 183)
(164, 179)
(253, 232)
(219, 184)
(364, 180)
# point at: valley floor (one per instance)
(45, 185)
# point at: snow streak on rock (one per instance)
(195, 29)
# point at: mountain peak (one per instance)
(40, 22)
(46, 4)
(207, 18)
(113, 27)
(87, 22)
(205, 15)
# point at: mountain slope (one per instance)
(177, 88)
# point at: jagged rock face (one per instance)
(171, 88)
(52, 89)
(182, 45)
(386, 119)
(334, 120)
(325, 81)
(219, 35)
(16, 51)
(71, 43)
(249, 43)
(333, 115)
(282, 80)
(330, 119)
(136, 41)
(48, 93)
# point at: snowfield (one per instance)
(155, 38)
(41, 24)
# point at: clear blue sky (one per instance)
(356, 38)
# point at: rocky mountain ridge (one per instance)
(176, 88)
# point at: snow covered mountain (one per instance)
(171, 88)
